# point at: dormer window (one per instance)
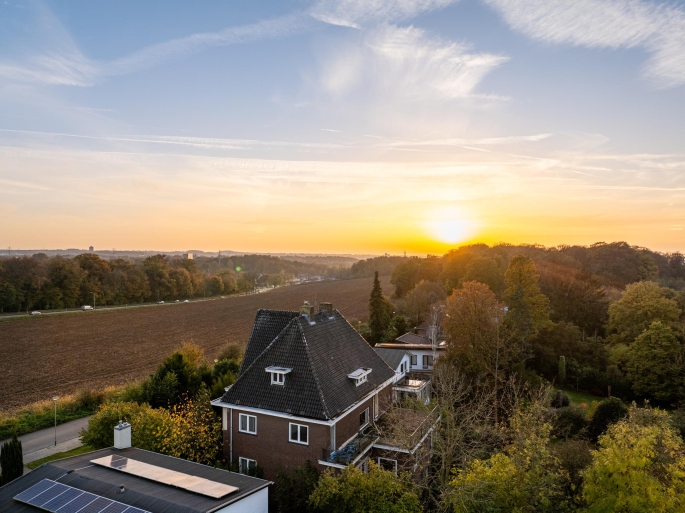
(359, 376)
(278, 374)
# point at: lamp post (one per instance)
(93, 300)
(54, 399)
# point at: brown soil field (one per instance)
(59, 354)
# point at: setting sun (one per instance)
(450, 226)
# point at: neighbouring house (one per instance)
(124, 479)
(311, 388)
(407, 384)
(421, 350)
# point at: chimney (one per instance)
(308, 311)
(122, 435)
(326, 307)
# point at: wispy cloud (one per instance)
(657, 28)
(357, 13)
(61, 62)
(405, 63)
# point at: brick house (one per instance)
(311, 388)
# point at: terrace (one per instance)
(353, 451)
(404, 428)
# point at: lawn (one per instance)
(581, 397)
(59, 456)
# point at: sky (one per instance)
(341, 126)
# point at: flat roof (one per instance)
(79, 472)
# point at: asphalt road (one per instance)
(45, 438)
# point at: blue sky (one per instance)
(348, 126)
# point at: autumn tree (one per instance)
(641, 304)
(418, 302)
(486, 270)
(380, 313)
(528, 308)
(639, 467)
(655, 363)
(354, 491)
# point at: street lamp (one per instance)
(54, 399)
(93, 300)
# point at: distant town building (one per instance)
(188, 256)
(91, 248)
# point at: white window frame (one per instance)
(299, 433)
(387, 459)
(244, 464)
(277, 378)
(361, 380)
(368, 418)
(240, 423)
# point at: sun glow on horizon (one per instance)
(451, 226)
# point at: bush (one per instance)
(607, 412)
(223, 367)
(569, 422)
(100, 432)
(574, 456)
(11, 461)
(677, 419)
(219, 386)
(565, 400)
(231, 352)
(294, 487)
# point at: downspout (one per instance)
(230, 437)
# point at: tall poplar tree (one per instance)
(380, 312)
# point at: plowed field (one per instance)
(58, 354)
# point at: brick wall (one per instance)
(270, 446)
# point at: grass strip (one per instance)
(58, 456)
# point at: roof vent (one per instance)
(122, 435)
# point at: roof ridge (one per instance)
(313, 371)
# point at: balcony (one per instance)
(404, 428)
(353, 450)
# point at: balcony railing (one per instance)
(346, 455)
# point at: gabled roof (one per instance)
(393, 357)
(413, 338)
(267, 325)
(321, 355)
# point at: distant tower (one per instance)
(91, 248)
(188, 256)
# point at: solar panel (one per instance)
(165, 476)
(59, 498)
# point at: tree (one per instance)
(562, 370)
(294, 486)
(655, 363)
(639, 467)
(9, 297)
(380, 312)
(528, 307)
(214, 285)
(194, 432)
(66, 275)
(641, 304)
(608, 412)
(486, 270)
(524, 477)
(419, 301)
(11, 461)
(156, 269)
(405, 276)
(353, 491)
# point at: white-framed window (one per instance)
(376, 407)
(363, 417)
(246, 465)
(247, 423)
(298, 433)
(388, 464)
(359, 376)
(427, 361)
(278, 374)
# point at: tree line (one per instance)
(42, 282)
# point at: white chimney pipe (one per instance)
(122, 435)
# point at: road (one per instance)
(41, 443)
(122, 307)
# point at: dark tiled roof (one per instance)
(412, 338)
(142, 493)
(321, 355)
(267, 325)
(393, 357)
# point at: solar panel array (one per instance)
(60, 498)
(167, 476)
